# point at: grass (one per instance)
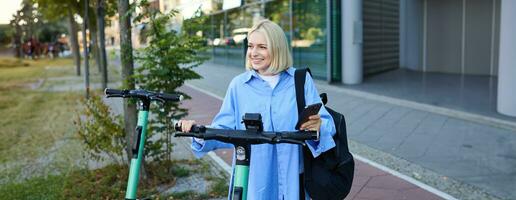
(9, 63)
(50, 187)
(40, 156)
(37, 137)
(32, 121)
(108, 182)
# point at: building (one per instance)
(344, 41)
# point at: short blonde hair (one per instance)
(277, 45)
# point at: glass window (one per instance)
(219, 50)
(309, 39)
(253, 14)
(252, 1)
(305, 31)
(279, 12)
(233, 41)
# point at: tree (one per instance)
(101, 8)
(126, 56)
(48, 9)
(86, 48)
(50, 31)
(74, 42)
(164, 65)
(15, 22)
(102, 41)
(6, 34)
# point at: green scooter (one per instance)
(144, 99)
(242, 140)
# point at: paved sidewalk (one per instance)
(369, 182)
(460, 156)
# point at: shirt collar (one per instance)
(290, 71)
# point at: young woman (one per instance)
(267, 87)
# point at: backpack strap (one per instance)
(299, 80)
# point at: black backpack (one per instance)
(330, 175)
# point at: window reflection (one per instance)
(235, 22)
(219, 51)
(309, 41)
(279, 12)
(305, 29)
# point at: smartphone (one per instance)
(307, 112)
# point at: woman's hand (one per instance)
(313, 123)
(186, 125)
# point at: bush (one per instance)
(101, 131)
(165, 64)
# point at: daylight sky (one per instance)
(7, 9)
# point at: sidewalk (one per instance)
(460, 156)
(369, 182)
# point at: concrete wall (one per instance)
(478, 37)
(411, 34)
(451, 36)
(444, 18)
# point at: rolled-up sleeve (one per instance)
(327, 129)
(225, 119)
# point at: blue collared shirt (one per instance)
(274, 168)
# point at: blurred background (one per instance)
(427, 88)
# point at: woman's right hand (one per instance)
(186, 125)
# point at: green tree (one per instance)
(101, 13)
(6, 34)
(126, 57)
(165, 64)
(17, 36)
(48, 9)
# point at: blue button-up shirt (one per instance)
(274, 168)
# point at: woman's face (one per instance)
(258, 53)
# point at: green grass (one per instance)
(11, 62)
(50, 187)
(32, 120)
(107, 183)
(37, 134)
(219, 186)
(38, 125)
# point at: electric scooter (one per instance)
(242, 140)
(144, 99)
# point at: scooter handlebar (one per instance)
(114, 92)
(235, 136)
(143, 95)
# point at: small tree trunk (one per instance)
(74, 43)
(102, 42)
(17, 42)
(95, 44)
(126, 57)
(85, 45)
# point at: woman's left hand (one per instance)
(313, 123)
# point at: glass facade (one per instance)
(309, 41)
(304, 23)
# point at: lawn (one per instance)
(31, 119)
(41, 156)
(35, 123)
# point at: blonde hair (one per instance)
(277, 45)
